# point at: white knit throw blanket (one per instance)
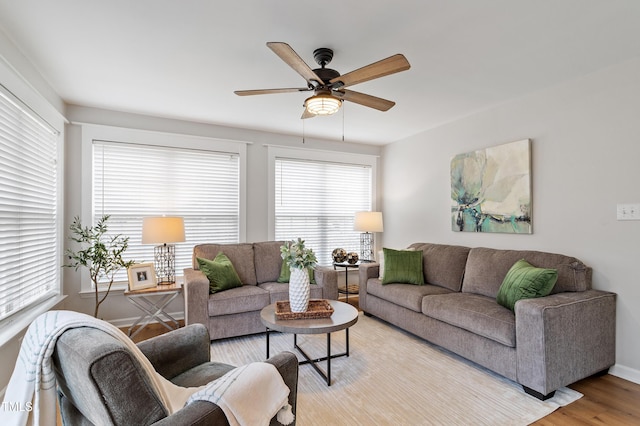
(30, 398)
(249, 395)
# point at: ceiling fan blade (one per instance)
(306, 114)
(270, 91)
(390, 65)
(287, 54)
(364, 99)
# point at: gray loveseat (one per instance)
(236, 312)
(547, 343)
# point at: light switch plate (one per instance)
(628, 212)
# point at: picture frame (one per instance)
(491, 189)
(141, 276)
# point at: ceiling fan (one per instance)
(328, 84)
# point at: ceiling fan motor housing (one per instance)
(326, 74)
(323, 56)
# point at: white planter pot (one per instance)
(299, 290)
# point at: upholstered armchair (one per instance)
(100, 381)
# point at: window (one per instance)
(316, 199)
(132, 180)
(29, 207)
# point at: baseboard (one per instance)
(626, 373)
(127, 322)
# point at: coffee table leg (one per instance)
(347, 331)
(267, 342)
(314, 362)
(328, 359)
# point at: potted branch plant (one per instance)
(100, 254)
(299, 259)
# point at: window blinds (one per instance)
(29, 246)
(131, 181)
(317, 201)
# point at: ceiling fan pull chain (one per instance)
(343, 108)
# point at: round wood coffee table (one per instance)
(343, 317)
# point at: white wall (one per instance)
(585, 154)
(116, 308)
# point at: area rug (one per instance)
(394, 378)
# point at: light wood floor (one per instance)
(608, 400)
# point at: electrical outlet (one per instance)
(628, 211)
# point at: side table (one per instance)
(152, 302)
(348, 288)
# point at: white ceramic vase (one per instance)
(299, 290)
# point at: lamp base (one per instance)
(164, 260)
(366, 247)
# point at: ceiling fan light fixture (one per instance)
(322, 104)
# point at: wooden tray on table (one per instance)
(318, 308)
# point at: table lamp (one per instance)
(163, 230)
(367, 223)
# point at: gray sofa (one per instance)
(547, 343)
(100, 381)
(236, 312)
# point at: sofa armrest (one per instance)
(287, 365)
(327, 278)
(196, 297)
(365, 272)
(199, 413)
(564, 337)
(179, 350)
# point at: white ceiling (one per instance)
(184, 58)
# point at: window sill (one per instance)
(116, 288)
(16, 324)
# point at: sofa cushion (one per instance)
(486, 269)
(443, 265)
(266, 257)
(220, 273)
(475, 313)
(247, 298)
(402, 266)
(241, 255)
(406, 295)
(279, 291)
(524, 281)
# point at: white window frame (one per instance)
(15, 324)
(277, 151)
(93, 132)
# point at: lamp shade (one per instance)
(322, 104)
(162, 230)
(368, 222)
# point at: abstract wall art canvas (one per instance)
(491, 189)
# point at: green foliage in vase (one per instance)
(297, 256)
(101, 254)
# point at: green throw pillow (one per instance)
(402, 266)
(285, 274)
(220, 272)
(524, 281)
